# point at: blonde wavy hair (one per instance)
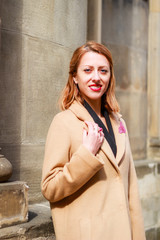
(71, 92)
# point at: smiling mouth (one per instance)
(95, 87)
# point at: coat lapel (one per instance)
(106, 149)
(119, 136)
(83, 115)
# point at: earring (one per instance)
(75, 81)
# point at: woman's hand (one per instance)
(93, 139)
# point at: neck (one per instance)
(95, 105)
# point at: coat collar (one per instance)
(82, 114)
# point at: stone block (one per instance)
(44, 77)
(120, 23)
(151, 234)
(158, 233)
(13, 203)
(54, 20)
(69, 17)
(36, 45)
(27, 160)
(10, 98)
(155, 6)
(154, 118)
(131, 74)
(149, 181)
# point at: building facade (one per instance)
(37, 41)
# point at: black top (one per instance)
(109, 135)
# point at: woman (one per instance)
(88, 173)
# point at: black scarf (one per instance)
(109, 135)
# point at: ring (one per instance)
(100, 129)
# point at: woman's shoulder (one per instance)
(63, 114)
(63, 117)
(116, 116)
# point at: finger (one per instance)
(86, 122)
(101, 135)
(100, 129)
(95, 127)
(101, 132)
(90, 125)
(84, 132)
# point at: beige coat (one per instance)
(91, 197)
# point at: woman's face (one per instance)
(93, 76)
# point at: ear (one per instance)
(75, 80)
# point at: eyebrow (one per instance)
(87, 65)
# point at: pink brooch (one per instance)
(121, 128)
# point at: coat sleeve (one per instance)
(138, 232)
(63, 175)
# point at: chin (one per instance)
(93, 98)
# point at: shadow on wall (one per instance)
(10, 82)
(128, 42)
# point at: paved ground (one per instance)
(38, 227)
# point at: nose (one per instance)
(96, 75)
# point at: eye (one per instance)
(87, 70)
(104, 71)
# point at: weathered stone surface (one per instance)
(130, 65)
(153, 76)
(151, 234)
(155, 6)
(44, 77)
(10, 87)
(58, 21)
(37, 42)
(121, 23)
(39, 225)
(13, 203)
(123, 35)
(94, 18)
(23, 157)
(70, 19)
(149, 182)
(134, 109)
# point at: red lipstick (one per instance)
(95, 87)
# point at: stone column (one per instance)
(94, 20)
(154, 80)
(125, 33)
(38, 39)
(5, 165)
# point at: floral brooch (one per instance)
(121, 128)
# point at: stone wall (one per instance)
(125, 32)
(38, 38)
(154, 80)
(148, 173)
(126, 25)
